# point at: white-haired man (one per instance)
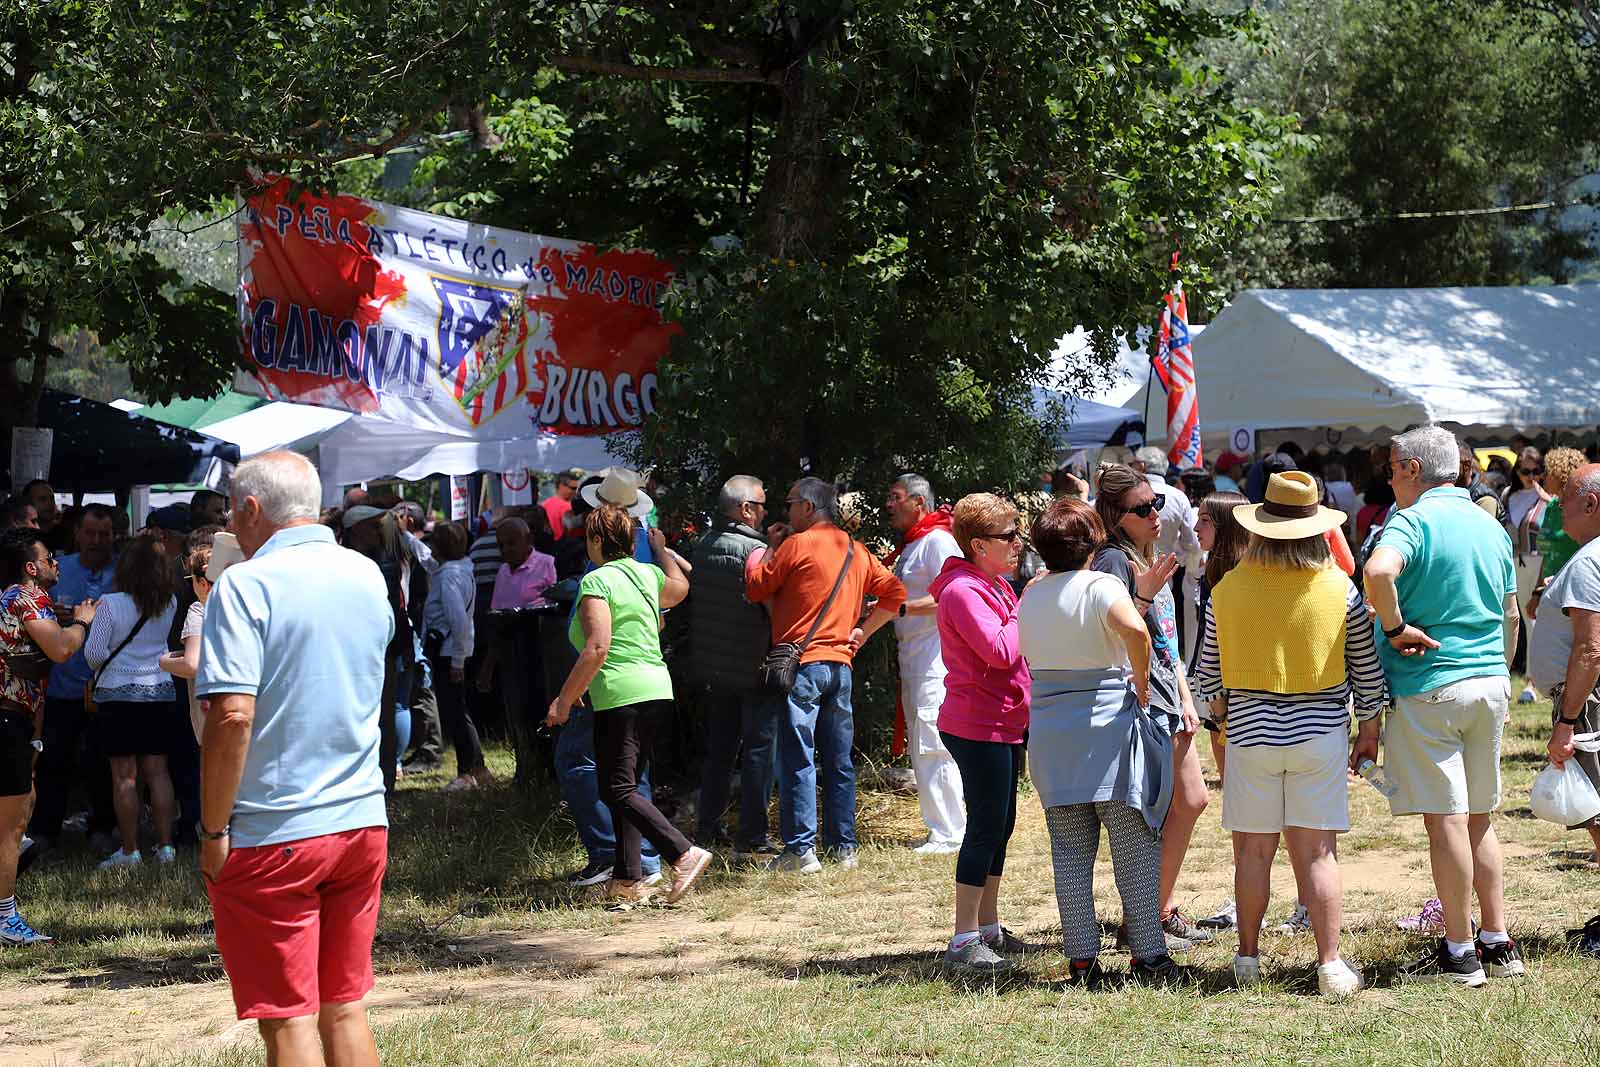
(1178, 519)
(926, 542)
(1442, 582)
(1564, 653)
(294, 834)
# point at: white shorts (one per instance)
(1442, 748)
(1268, 787)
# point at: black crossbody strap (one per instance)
(849, 555)
(126, 641)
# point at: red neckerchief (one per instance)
(938, 519)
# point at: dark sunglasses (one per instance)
(1144, 510)
(1531, 472)
(1013, 535)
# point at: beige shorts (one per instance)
(1268, 787)
(1441, 748)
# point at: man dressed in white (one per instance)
(926, 542)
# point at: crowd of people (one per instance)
(1088, 637)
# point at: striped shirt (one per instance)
(486, 561)
(1257, 718)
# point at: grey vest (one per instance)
(728, 635)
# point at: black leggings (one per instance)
(623, 738)
(989, 773)
(457, 716)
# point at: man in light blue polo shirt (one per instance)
(1444, 587)
(293, 829)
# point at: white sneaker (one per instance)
(1246, 971)
(796, 862)
(166, 854)
(1339, 979)
(931, 847)
(121, 858)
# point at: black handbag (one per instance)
(30, 664)
(779, 669)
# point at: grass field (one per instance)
(484, 957)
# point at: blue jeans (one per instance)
(580, 788)
(731, 720)
(815, 733)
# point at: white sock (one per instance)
(8, 907)
(990, 931)
(963, 938)
(1459, 948)
(1493, 937)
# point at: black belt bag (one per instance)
(782, 665)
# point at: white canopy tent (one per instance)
(1352, 365)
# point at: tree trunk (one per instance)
(795, 211)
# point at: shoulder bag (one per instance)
(88, 691)
(782, 664)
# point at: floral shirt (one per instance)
(18, 604)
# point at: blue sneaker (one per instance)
(16, 931)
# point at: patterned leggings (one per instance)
(1135, 861)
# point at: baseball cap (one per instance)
(173, 517)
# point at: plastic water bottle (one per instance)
(1375, 777)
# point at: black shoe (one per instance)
(1439, 966)
(1088, 974)
(757, 851)
(420, 765)
(1178, 925)
(594, 874)
(1160, 970)
(1500, 961)
(1009, 944)
(1586, 940)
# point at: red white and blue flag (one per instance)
(1174, 365)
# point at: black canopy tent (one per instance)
(100, 448)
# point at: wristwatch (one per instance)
(1397, 631)
(203, 834)
(38, 744)
(1570, 722)
(902, 610)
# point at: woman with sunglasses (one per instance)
(1130, 509)
(983, 719)
(1530, 496)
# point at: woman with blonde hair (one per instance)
(1287, 643)
(984, 718)
(1130, 509)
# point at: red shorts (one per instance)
(295, 921)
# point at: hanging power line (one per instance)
(1510, 209)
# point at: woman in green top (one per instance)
(1554, 543)
(617, 631)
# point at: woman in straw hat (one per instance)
(1287, 641)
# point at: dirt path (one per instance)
(64, 1022)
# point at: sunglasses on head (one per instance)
(1144, 510)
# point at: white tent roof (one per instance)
(1485, 360)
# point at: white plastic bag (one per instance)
(1564, 795)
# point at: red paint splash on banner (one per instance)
(338, 277)
(598, 320)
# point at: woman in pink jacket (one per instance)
(983, 718)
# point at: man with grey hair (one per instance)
(293, 829)
(1442, 582)
(926, 541)
(1564, 653)
(814, 580)
(728, 637)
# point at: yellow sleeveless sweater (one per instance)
(1279, 630)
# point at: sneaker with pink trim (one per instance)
(1430, 920)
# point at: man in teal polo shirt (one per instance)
(1442, 581)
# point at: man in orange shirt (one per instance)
(559, 503)
(793, 578)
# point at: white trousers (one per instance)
(938, 778)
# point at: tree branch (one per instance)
(605, 67)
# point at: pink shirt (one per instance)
(987, 689)
(525, 586)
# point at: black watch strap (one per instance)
(1397, 631)
(1571, 722)
(203, 834)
